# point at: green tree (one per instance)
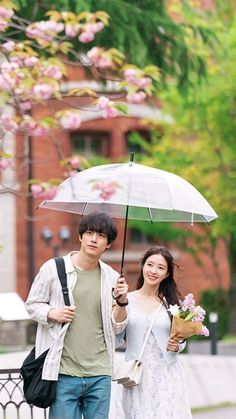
(200, 145)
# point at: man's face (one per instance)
(94, 243)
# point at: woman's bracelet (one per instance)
(122, 304)
(117, 299)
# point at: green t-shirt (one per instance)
(85, 352)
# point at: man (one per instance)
(82, 351)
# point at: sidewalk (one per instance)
(211, 380)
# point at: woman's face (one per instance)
(155, 269)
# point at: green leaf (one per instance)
(121, 107)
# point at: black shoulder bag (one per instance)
(41, 393)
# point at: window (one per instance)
(137, 236)
(90, 144)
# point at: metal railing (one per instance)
(12, 402)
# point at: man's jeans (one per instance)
(77, 396)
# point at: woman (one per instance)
(161, 393)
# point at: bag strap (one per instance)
(60, 264)
(148, 332)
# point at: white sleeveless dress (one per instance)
(162, 392)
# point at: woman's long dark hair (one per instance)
(167, 291)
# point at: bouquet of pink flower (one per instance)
(187, 319)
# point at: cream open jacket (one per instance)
(46, 294)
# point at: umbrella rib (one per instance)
(205, 219)
(84, 208)
(148, 206)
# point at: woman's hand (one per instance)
(172, 345)
(121, 290)
(62, 315)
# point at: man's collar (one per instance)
(69, 267)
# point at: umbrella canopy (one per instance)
(150, 194)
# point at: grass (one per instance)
(229, 338)
(211, 407)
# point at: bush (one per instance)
(216, 300)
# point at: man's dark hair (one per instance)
(99, 222)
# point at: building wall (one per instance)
(7, 224)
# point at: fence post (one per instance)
(213, 319)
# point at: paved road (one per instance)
(220, 413)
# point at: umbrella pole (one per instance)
(126, 221)
(124, 241)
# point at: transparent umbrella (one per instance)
(132, 191)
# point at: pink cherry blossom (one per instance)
(38, 191)
(16, 59)
(98, 58)
(103, 102)
(26, 106)
(28, 123)
(86, 37)
(33, 32)
(8, 81)
(69, 173)
(8, 123)
(104, 62)
(130, 75)
(9, 45)
(7, 67)
(93, 53)
(50, 193)
(71, 30)
(53, 71)
(44, 30)
(75, 162)
(38, 131)
(6, 13)
(110, 112)
(4, 85)
(43, 91)
(143, 82)
(3, 25)
(95, 27)
(138, 97)
(5, 163)
(31, 61)
(70, 120)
